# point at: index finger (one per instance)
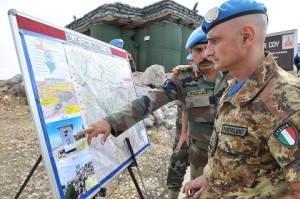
(84, 131)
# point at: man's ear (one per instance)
(248, 33)
(190, 50)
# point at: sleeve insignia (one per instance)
(287, 134)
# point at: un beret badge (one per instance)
(212, 15)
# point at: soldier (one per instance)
(198, 87)
(255, 148)
(179, 159)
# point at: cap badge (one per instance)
(212, 15)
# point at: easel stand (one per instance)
(133, 164)
(29, 176)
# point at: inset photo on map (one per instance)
(62, 137)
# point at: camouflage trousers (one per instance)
(177, 167)
(198, 157)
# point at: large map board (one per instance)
(72, 80)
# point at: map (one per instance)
(53, 80)
(103, 84)
(48, 59)
(58, 99)
(74, 87)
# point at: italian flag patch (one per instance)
(287, 134)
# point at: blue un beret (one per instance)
(229, 10)
(196, 37)
(189, 58)
(117, 42)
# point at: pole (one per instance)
(134, 163)
(29, 176)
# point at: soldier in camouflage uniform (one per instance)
(179, 158)
(198, 87)
(255, 147)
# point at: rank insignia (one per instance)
(287, 134)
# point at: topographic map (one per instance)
(103, 84)
(76, 87)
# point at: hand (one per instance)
(199, 184)
(294, 191)
(184, 138)
(99, 127)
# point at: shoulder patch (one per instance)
(287, 134)
(179, 68)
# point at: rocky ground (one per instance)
(19, 151)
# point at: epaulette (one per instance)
(179, 68)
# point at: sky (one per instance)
(283, 15)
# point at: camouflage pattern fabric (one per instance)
(198, 94)
(253, 156)
(179, 160)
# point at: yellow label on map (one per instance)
(48, 101)
(72, 109)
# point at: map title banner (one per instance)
(75, 39)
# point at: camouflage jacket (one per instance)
(257, 147)
(197, 93)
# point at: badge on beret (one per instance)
(212, 15)
(287, 134)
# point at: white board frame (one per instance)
(35, 107)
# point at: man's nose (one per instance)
(208, 51)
